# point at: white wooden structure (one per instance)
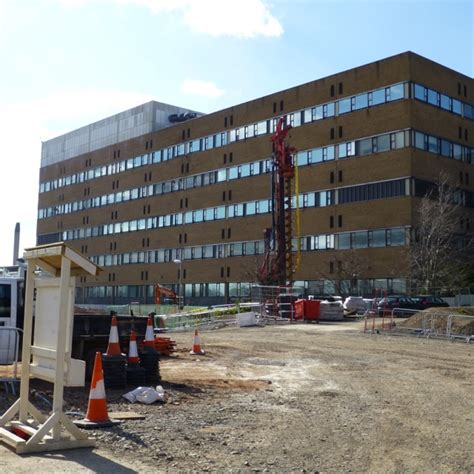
(48, 357)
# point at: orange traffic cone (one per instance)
(113, 349)
(97, 415)
(133, 350)
(97, 407)
(197, 349)
(149, 334)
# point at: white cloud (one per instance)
(241, 18)
(201, 88)
(24, 125)
(235, 18)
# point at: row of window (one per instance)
(310, 199)
(391, 237)
(245, 290)
(425, 94)
(296, 119)
(365, 146)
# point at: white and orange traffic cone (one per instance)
(97, 415)
(149, 334)
(197, 349)
(133, 358)
(113, 349)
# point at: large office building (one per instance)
(159, 194)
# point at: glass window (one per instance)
(432, 97)
(445, 102)
(262, 206)
(433, 144)
(396, 92)
(342, 150)
(220, 212)
(317, 112)
(188, 217)
(233, 172)
(364, 147)
(208, 251)
(221, 175)
(198, 216)
(397, 140)
(456, 106)
(457, 151)
(328, 153)
(251, 208)
(360, 240)
(316, 155)
(445, 148)
(377, 97)
(344, 106)
(383, 143)
(469, 111)
(245, 171)
(209, 214)
(297, 119)
(329, 110)
(302, 158)
(419, 92)
(361, 101)
(344, 241)
(261, 128)
(307, 115)
(397, 236)
(377, 238)
(420, 140)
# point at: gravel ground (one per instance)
(301, 398)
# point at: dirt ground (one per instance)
(307, 397)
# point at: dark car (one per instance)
(430, 301)
(387, 304)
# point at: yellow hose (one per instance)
(298, 220)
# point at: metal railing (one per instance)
(430, 324)
(9, 356)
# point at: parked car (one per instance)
(388, 303)
(430, 301)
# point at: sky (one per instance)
(67, 63)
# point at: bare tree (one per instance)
(346, 270)
(439, 252)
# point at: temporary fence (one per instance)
(9, 357)
(430, 324)
(205, 319)
(444, 325)
(383, 319)
(275, 303)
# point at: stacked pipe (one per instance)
(149, 357)
(135, 373)
(114, 363)
(164, 345)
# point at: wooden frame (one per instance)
(56, 431)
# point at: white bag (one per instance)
(147, 395)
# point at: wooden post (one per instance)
(27, 334)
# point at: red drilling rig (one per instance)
(277, 267)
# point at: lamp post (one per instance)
(180, 284)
